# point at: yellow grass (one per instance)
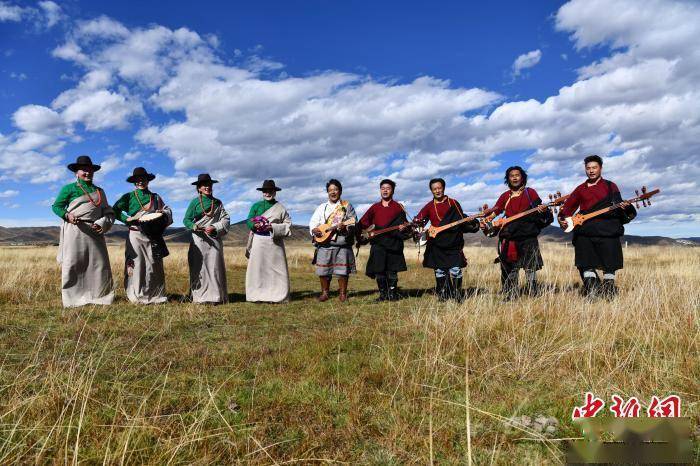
(410, 382)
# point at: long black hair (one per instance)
(523, 173)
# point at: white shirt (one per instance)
(324, 211)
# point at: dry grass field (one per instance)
(394, 383)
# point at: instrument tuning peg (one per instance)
(644, 189)
(551, 197)
(558, 193)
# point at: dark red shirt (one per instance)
(585, 197)
(379, 215)
(517, 204)
(436, 211)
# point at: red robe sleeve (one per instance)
(501, 203)
(571, 204)
(368, 218)
(424, 212)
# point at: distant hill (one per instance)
(239, 232)
(237, 235)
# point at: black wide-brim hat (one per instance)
(82, 161)
(138, 173)
(204, 178)
(269, 185)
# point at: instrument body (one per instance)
(495, 226)
(371, 232)
(153, 223)
(327, 231)
(577, 220)
(433, 231)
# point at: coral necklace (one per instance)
(435, 203)
(211, 208)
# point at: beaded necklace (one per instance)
(99, 195)
(435, 203)
(211, 208)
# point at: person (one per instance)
(86, 276)
(444, 253)
(386, 257)
(597, 242)
(267, 275)
(518, 247)
(144, 274)
(334, 257)
(209, 222)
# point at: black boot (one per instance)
(509, 285)
(591, 287)
(457, 292)
(393, 292)
(608, 290)
(383, 289)
(532, 288)
(441, 288)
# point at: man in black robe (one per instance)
(386, 257)
(518, 247)
(597, 242)
(444, 253)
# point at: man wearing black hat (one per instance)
(386, 252)
(267, 275)
(144, 275)
(209, 222)
(86, 276)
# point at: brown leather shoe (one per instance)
(343, 289)
(325, 285)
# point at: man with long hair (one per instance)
(518, 247)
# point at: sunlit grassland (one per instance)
(392, 383)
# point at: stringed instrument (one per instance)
(579, 219)
(370, 232)
(493, 227)
(433, 231)
(327, 230)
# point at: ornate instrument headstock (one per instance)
(645, 196)
(556, 200)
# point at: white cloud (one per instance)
(8, 193)
(10, 12)
(37, 119)
(526, 60)
(98, 110)
(52, 12)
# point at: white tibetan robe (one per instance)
(86, 275)
(267, 276)
(144, 274)
(206, 259)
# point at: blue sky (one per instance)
(300, 91)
